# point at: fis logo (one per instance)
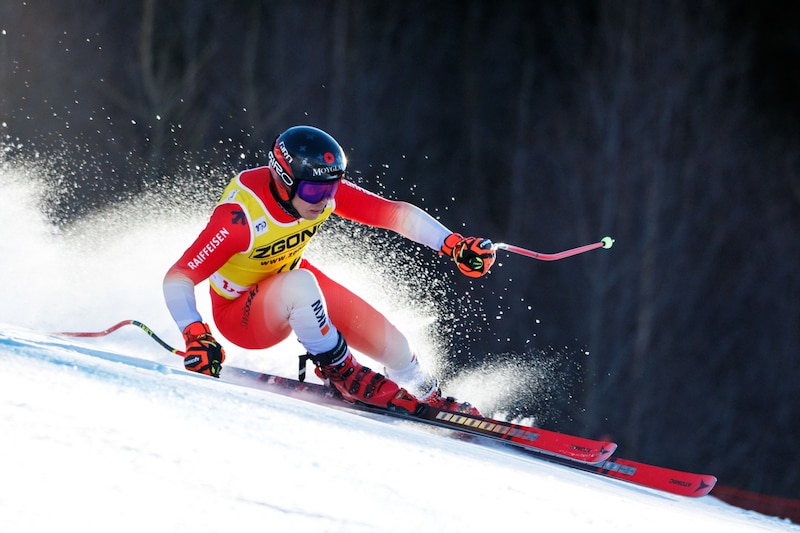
(260, 226)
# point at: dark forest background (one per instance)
(672, 126)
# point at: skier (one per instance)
(262, 288)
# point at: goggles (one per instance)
(314, 192)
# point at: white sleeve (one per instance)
(421, 227)
(179, 295)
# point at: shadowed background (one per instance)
(671, 126)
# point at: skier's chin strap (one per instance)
(286, 205)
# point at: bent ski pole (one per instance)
(115, 327)
(605, 242)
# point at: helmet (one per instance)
(304, 153)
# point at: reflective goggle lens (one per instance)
(314, 192)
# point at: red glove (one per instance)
(473, 256)
(203, 353)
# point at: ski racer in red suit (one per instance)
(262, 289)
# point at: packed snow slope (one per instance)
(96, 441)
(111, 434)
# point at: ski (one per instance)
(587, 455)
(657, 477)
(545, 442)
(669, 480)
(541, 441)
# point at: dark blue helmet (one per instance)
(304, 153)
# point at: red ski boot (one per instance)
(357, 383)
(426, 388)
(448, 403)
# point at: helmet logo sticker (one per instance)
(319, 171)
(286, 155)
(274, 165)
(329, 158)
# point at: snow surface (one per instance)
(92, 440)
